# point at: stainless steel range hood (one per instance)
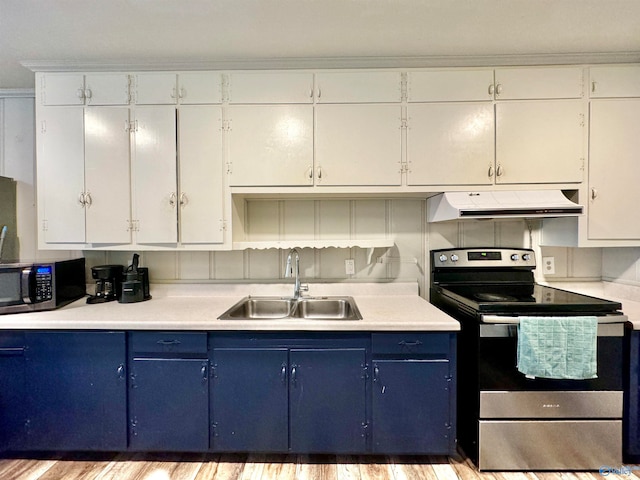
(500, 204)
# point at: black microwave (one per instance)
(31, 287)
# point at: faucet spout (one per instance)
(292, 268)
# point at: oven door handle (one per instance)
(516, 320)
(506, 329)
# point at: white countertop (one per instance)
(384, 307)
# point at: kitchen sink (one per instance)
(308, 308)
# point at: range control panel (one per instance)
(483, 257)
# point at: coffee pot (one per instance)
(108, 283)
(135, 283)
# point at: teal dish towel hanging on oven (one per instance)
(558, 347)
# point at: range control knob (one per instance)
(526, 257)
(454, 258)
(515, 257)
(442, 258)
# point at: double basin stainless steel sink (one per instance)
(311, 308)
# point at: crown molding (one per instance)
(335, 62)
(17, 93)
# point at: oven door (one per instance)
(497, 354)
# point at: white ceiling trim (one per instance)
(338, 62)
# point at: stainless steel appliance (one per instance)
(506, 420)
(108, 283)
(28, 287)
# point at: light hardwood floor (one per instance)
(262, 467)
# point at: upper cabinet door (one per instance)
(358, 145)
(200, 88)
(617, 81)
(270, 145)
(539, 83)
(61, 173)
(540, 142)
(450, 85)
(155, 89)
(201, 181)
(108, 189)
(107, 89)
(270, 88)
(358, 87)
(62, 89)
(154, 174)
(450, 143)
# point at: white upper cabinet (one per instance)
(614, 175)
(615, 81)
(107, 175)
(279, 87)
(270, 145)
(450, 85)
(539, 83)
(155, 195)
(201, 192)
(78, 89)
(196, 88)
(451, 144)
(60, 167)
(540, 142)
(155, 88)
(358, 87)
(358, 145)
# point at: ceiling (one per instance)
(42, 34)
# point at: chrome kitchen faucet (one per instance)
(289, 270)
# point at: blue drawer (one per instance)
(409, 343)
(168, 342)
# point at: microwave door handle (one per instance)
(25, 283)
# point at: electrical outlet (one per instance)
(350, 266)
(548, 265)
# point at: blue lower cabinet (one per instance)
(168, 405)
(411, 406)
(249, 397)
(76, 391)
(12, 391)
(327, 409)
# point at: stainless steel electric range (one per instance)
(509, 421)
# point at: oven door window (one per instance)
(10, 290)
(498, 371)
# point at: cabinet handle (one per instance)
(593, 87)
(498, 89)
(120, 371)
(87, 199)
(492, 89)
(310, 173)
(283, 373)
(87, 93)
(172, 199)
(168, 342)
(490, 172)
(181, 92)
(376, 373)
(499, 170)
(294, 374)
(80, 93)
(81, 200)
(594, 194)
(319, 173)
(184, 200)
(404, 343)
(319, 92)
(173, 92)
(203, 372)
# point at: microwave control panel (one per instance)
(44, 283)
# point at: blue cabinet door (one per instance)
(12, 391)
(249, 395)
(411, 407)
(76, 390)
(327, 409)
(168, 404)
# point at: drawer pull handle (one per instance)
(283, 374)
(294, 374)
(404, 343)
(168, 342)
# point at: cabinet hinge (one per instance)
(224, 87)
(404, 95)
(214, 429)
(223, 225)
(364, 427)
(213, 372)
(226, 125)
(129, 89)
(133, 225)
(404, 168)
(582, 120)
(365, 371)
(45, 225)
(404, 124)
(134, 426)
(229, 168)
(43, 126)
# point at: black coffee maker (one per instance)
(108, 283)
(135, 283)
